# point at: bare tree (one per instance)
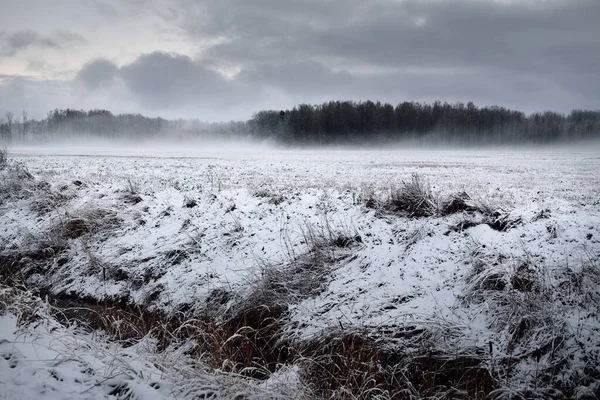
(9, 118)
(25, 122)
(9, 121)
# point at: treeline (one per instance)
(73, 124)
(335, 122)
(342, 122)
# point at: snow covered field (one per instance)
(510, 281)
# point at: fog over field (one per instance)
(307, 200)
(230, 148)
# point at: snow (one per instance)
(41, 358)
(253, 209)
(54, 363)
(231, 231)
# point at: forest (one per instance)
(331, 123)
(340, 122)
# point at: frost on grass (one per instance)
(248, 326)
(544, 321)
(417, 199)
(45, 253)
(15, 180)
(40, 357)
(290, 278)
(414, 198)
(419, 363)
(3, 158)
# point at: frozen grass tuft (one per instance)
(272, 196)
(545, 319)
(458, 202)
(414, 198)
(3, 158)
(91, 220)
(73, 361)
(41, 253)
(245, 331)
(15, 179)
(356, 363)
(132, 191)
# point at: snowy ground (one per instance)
(167, 231)
(41, 358)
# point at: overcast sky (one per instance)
(225, 59)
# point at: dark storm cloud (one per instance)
(481, 47)
(98, 73)
(163, 79)
(469, 33)
(12, 43)
(430, 33)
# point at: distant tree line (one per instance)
(342, 122)
(73, 124)
(335, 122)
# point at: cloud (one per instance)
(406, 33)
(165, 80)
(166, 84)
(11, 44)
(242, 56)
(469, 48)
(97, 73)
(106, 9)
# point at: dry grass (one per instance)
(15, 179)
(541, 350)
(41, 253)
(139, 362)
(17, 183)
(458, 202)
(244, 333)
(348, 363)
(3, 158)
(415, 199)
(352, 363)
(23, 304)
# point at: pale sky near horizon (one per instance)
(225, 59)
